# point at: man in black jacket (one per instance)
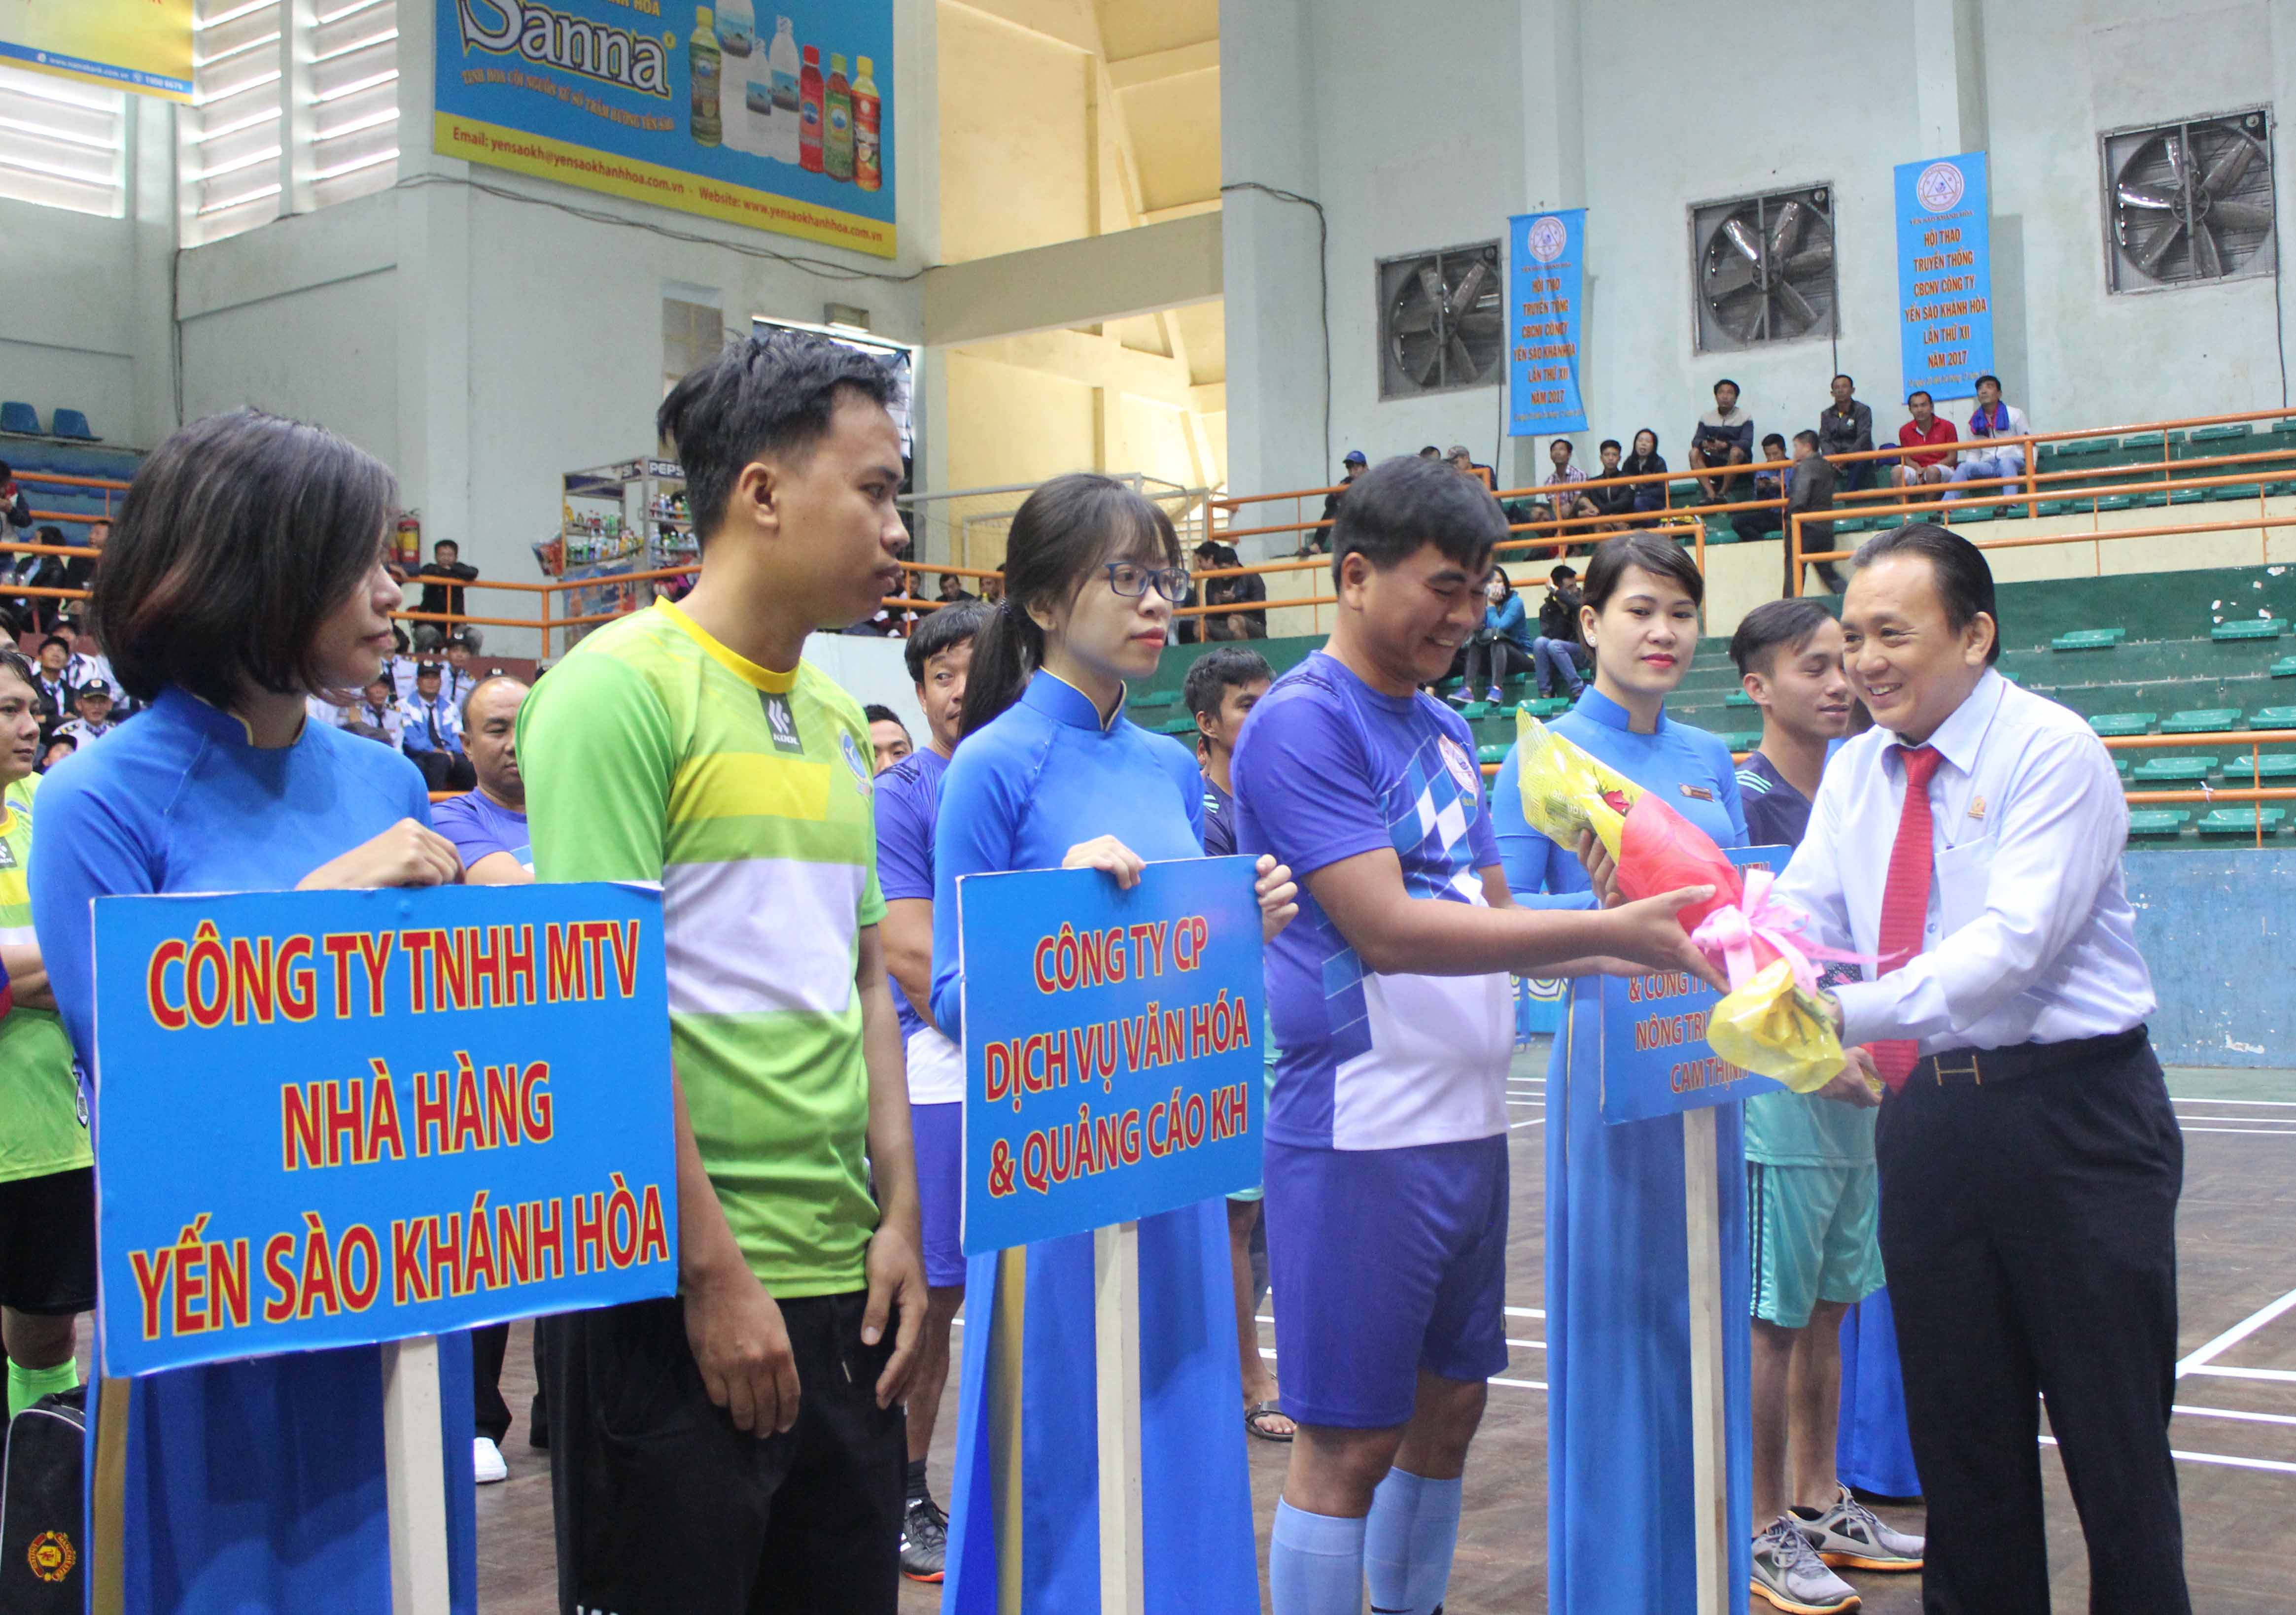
(1845, 426)
(1557, 655)
(1809, 487)
(443, 597)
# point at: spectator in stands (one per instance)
(1430, 452)
(377, 713)
(1499, 650)
(1558, 655)
(1317, 541)
(1722, 437)
(1845, 426)
(51, 683)
(1231, 591)
(398, 667)
(1647, 461)
(88, 667)
(460, 678)
(486, 824)
(1466, 465)
(31, 613)
(79, 571)
(1927, 429)
(442, 598)
(432, 733)
(92, 719)
(952, 590)
(1751, 525)
(15, 507)
(1809, 487)
(1563, 497)
(992, 588)
(889, 736)
(57, 747)
(1992, 418)
(1608, 494)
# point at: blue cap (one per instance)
(1355, 457)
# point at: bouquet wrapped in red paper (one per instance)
(1770, 1021)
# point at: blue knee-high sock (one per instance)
(1408, 1542)
(1314, 1563)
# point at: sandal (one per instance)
(1257, 1411)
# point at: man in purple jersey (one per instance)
(908, 797)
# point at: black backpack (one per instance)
(43, 1523)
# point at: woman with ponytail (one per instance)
(1052, 774)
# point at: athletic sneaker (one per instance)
(487, 1462)
(925, 1540)
(1788, 1573)
(1851, 1535)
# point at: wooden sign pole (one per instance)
(414, 1471)
(1710, 1447)
(1116, 1354)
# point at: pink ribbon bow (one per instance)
(1727, 936)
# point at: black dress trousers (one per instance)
(2029, 1231)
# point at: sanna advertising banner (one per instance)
(772, 113)
(144, 45)
(333, 1119)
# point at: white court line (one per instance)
(2233, 1413)
(1541, 1346)
(2252, 1132)
(2234, 1335)
(1533, 1122)
(2276, 1105)
(2282, 1376)
(1518, 1384)
(2273, 1464)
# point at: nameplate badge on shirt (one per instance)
(782, 721)
(1698, 793)
(1977, 808)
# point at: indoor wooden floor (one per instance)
(2234, 1432)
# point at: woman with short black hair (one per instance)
(246, 574)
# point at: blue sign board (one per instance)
(1546, 271)
(1655, 1058)
(779, 116)
(1113, 1046)
(1945, 275)
(336, 1118)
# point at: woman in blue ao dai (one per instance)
(1051, 773)
(1618, 1304)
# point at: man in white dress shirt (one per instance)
(2031, 1163)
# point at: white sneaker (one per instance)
(487, 1462)
(1849, 1536)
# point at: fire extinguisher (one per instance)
(408, 542)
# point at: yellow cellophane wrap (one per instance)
(1565, 792)
(1772, 1028)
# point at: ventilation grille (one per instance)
(1761, 269)
(2189, 203)
(63, 143)
(1442, 320)
(228, 165)
(353, 128)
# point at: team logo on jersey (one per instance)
(51, 1556)
(7, 855)
(780, 718)
(1461, 765)
(853, 761)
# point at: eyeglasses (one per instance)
(1132, 580)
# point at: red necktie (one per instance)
(1906, 899)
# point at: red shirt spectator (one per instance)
(1926, 427)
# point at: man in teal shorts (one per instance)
(1813, 1193)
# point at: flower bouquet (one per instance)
(1770, 1021)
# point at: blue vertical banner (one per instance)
(1546, 273)
(1945, 274)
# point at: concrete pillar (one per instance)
(152, 322)
(1950, 76)
(1554, 171)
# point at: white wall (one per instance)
(1430, 135)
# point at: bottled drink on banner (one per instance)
(737, 44)
(808, 100)
(707, 63)
(781, 61)
(837, 123)
(868, 162)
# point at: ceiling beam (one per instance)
(1076, 283)
(1201, 57)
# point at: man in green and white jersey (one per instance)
(741, 1446)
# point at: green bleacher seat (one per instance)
(2241, 821)
(1490, 754)
(2236, 490)
(2186, 495)
(1149, 699)
(2150, 439)
(1177, 725)
(1852, 524)
(2123, 723)
(2219, 434)
(2251, 627)
(2158, 821)
(2270, 766)
(2279, 490)
(1445, 685)
(1737, 698)
(2164, 770)
(2121, 764)
(2080, 448)
(1742, 740)
(2088, 639)
(2116, 501)
(2285, 667)
(2201, 720)
(2273, 718)
(1545, 706)
(1473, 711)
(1964, 512)
(2057, 507)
